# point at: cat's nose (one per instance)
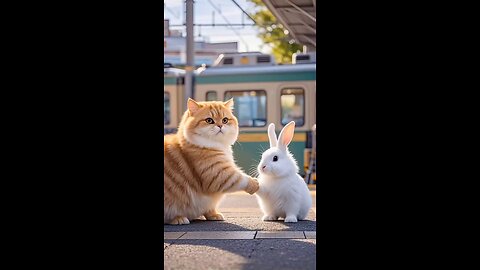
(219, 126)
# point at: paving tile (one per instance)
(244, 224)
(280, 234)
(219, 235)
(310, 234)
(172, 235)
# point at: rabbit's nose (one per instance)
(263, 167)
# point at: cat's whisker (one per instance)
(255, 172)
(263, 149)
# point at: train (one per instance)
(264, 92)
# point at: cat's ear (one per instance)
(286, 135)
(193, 106)
(229, 104)
(272, 137)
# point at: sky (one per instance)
(247, 36)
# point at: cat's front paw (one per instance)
(269, 218)
(291, 219)
(214, 216)
(179, 221)
(252, 186)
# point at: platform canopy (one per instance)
(299, 17)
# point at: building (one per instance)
(174, 48)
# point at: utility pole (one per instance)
(190, 52)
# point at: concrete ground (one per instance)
(243, 240)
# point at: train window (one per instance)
(228, 61)
(166, 108)
(211, 96)
(293, 106)
(263, 59)
(250, 107)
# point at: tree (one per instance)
(274, 34)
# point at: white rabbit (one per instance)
(283, 193)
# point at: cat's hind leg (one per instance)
(213, 215)
(179, 221)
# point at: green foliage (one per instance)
(274, 34)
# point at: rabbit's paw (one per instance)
(291, 219)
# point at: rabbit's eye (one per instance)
(275, 158)
(209, 121)
(225, 120)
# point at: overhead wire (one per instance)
(244, 11)
(231, 27)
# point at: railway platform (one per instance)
(242, 240)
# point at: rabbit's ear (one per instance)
(272, 136)
(286, 135)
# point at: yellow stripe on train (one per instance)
(262, 137)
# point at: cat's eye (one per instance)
(275, 158)
(209, 121)
(225, 120)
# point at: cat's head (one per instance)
(210, 124)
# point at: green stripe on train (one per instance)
(239, 78)
(248, 154)
(169, 81)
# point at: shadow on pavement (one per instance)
(239, 254)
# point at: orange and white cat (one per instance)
(198, 163)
